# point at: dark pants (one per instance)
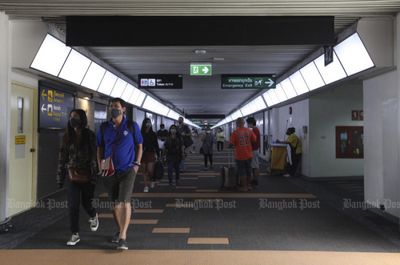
(80, 194)
(208, 157)
(173, 166)
(220, 146)
(295, 165)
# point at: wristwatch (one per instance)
(136, 163)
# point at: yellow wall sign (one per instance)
(20, 139)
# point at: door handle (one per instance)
(32, 150)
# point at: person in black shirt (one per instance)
(162, 135)
(174, 149)
(77, 159)
(151, 150)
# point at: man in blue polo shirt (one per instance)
(121, 139)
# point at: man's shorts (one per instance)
(254, 161)
(120, 186)
(243, 168)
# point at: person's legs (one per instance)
(74, 196)
(247, 164)
(176, 165)
(210, 156)
(255, 165)
(87, 199)
(205, 160)
(171, 169)
(123, 208)
(241, 172)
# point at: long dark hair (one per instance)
(143, 129)
(70, 136)
(178, 135)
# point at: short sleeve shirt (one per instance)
(242, 139)
(119, 142)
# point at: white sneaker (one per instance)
(286, 176)
(94, 223)
(152, 185)
(146, 189)
(74, 240)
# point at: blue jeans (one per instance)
(173, 166)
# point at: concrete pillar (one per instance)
(4, 110)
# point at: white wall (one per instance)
(280, 120)
(329, 109)
(4, 110)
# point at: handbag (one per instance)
(107, 167)
(80, 176)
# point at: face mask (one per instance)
(148, 125)
(115, 113)
(207, 132)
(75, 122)
(173, 131)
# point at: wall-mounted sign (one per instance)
(248, 81)
(54, 107)
(20, 139)
(200, 69)
(160, 81)
(357, 115)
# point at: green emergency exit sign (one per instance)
(201, 69)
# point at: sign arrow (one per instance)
(269, 82)
(43, 109)
(205, 70)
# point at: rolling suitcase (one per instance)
(229, 176)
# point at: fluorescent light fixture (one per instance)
(173, 115)
(51, 56)
(126, 95)
(75, 67)
(107, 84)
(298, 83)
(288, 88)
(93, 76)
(353, 55)
(228, 119)
(273, 96)
(137, 97)
(237, 114)
(279, 93)
(119, 88)
(332, 72)
(154, 106)
(311, 76)
(268, 99)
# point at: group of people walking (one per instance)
(120, 147)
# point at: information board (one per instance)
(156, 81)
(54, 107)
(248, 81)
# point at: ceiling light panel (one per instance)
(75, 67)
(93, 76)
(311, 76)
(332, 72)
(298, 83)
(107, 84)
(51, 56)
(353, 55)
(119, 88)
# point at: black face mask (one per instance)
(115, 113)
(75, 122)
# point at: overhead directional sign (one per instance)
(155, 81)
(202, 69)
(248, 81)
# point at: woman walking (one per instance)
(77, 159)
(174, 150)
(207, 147)
(151, 150)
